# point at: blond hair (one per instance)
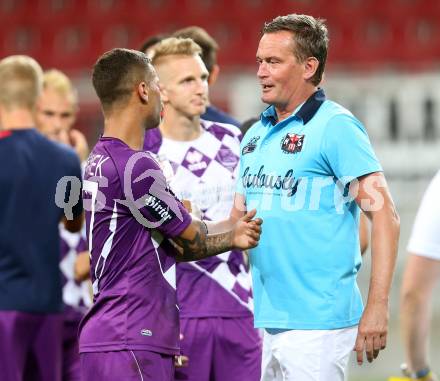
(175, 46)
(59, 82)
(21, 79)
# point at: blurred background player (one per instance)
(30, 297)
(132, 330)
(209, 57)
(57, 108)
(214, 294)
(149, 44)
(422, 273)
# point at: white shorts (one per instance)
(425, 237)
(307, 355)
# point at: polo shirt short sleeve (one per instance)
(347, 149)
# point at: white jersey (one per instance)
(206, 181)
(204, 171)
(76, 295)
(425, 237)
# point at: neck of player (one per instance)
(177, 126)
(16, 119)
(127, 126)
(298, 96)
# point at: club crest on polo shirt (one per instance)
(250, 146)
(292, 143)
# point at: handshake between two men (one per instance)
(204, 239)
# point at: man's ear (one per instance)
(142, 90)
(163, 93)
(311, 65)
(213, 75)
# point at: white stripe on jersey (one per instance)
(170, 274)
(106, 248)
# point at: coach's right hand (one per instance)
(247, 231)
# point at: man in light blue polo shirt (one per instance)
(308, 167)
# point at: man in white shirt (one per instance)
(422, 273)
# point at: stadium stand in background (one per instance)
(367, 36)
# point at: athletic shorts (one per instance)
(307, 355)
(220, 349)
(30, 346)
(126, 366)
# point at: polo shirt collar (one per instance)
(305, 112)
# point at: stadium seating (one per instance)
(370, 34)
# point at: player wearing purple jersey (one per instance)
(132, 330)
(201, 159)
(55, 116)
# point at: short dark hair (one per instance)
(152, 40)
(310, 36)
(201, 37)
(116, 72)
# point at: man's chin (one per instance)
(265, 98)
(194, 112)
(198, 110)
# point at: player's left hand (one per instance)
(372, 331)
(82, 266)
(79, 143)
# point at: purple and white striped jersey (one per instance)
(133, 272)
(204, 171)
(76, 295)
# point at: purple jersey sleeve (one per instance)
(149, 198)
(129, 214)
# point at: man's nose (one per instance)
(202, 87)
(262, 70)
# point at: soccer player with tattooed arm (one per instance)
(132, 329)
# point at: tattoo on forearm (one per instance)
(203, 245)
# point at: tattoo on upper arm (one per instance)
(203, 245)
